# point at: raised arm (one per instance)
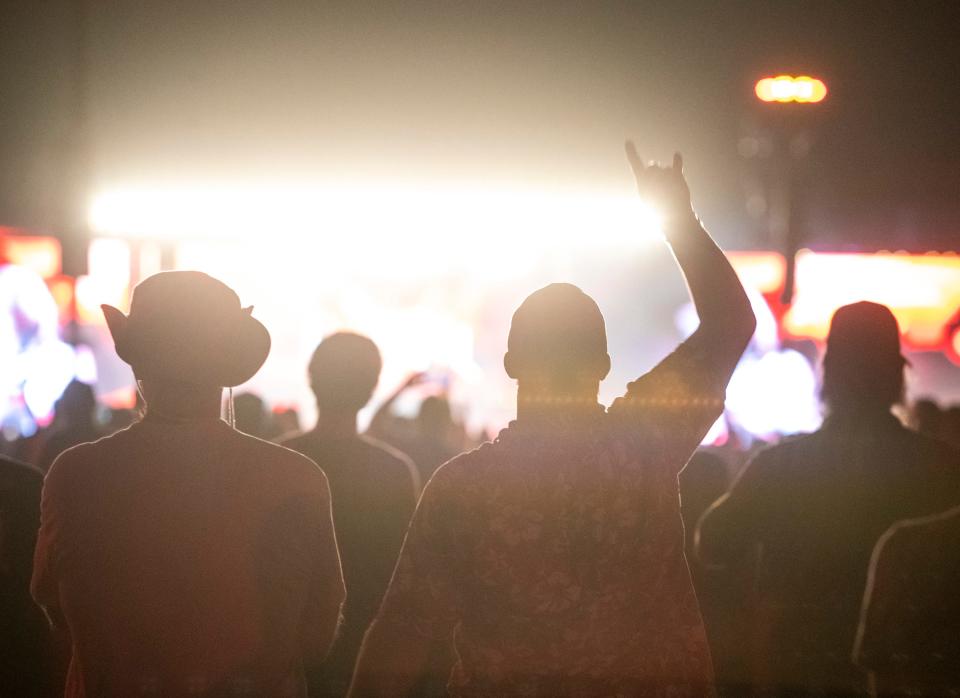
(726, 319)
(378, 425)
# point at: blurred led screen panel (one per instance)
(923, 291)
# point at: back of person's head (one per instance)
(434, 414)
(186, 328)
(344, 371)
(863, 366)
(77, 404)
(927, 417)
(558, 339)
(250, 414)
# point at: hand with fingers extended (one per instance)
(663, 188)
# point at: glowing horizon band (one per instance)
(356, 213)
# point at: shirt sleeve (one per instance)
(677, 402)
(423, 591)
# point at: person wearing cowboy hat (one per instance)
(182, 556)
(809, 510)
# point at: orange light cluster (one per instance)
(922, 291)
(37, 253)
(765, 272)
(785, 88)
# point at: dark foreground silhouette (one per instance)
(181, 556)
(808, 511)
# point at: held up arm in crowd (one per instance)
(379, 424)
(726, 319)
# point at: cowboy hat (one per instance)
(188, 326)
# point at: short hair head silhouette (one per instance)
(344, 371)
(863, 366)
(558, 342)
(434, 415)
(187, 327)
(78, 403)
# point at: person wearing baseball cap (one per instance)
(815, 505)
(182, 556)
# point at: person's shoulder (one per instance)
(781, 460)
(939, 527)
(787, 449)
(912, 547)
(81, 466)
(386, 457)
(19, 476)
(467, 470)
(382, 448)
(934, 450)
(282, 459)
(292, 439)
(88, 455)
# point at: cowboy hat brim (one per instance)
(226, 357)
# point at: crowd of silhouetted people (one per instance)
(584, 551)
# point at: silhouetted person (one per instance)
(373, 488)
(813, 507)
(251, 416)
(928, 418)
(285, 420)
(438, 437)
(27, 666)
(75, 422)
(909, 634)
(720, 594)
(950, 426)
(430, 439)
(553, 557)
(183, 557)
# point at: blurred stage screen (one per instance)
(433, 275)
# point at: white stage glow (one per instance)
(418, 268)
(398, 217)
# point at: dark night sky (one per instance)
(541, 92)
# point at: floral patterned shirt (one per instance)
(554, 555)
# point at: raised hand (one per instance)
(415, 378)
(663, 188)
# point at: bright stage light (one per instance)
(357, 217)
(417, 267)
(786, 88)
